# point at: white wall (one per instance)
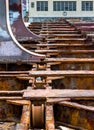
(51, 13)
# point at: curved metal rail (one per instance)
(10, 49)
(19, 30)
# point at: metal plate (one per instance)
(18, 27)
(10, 49)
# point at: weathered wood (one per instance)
(77, 105)
(58, 93)
(66, 73)
(25, 118)
(50, 124)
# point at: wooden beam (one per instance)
(66, 73)
(77, 105)
(50, 124)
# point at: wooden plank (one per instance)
(70, 60)
(77, 105)
(66, 73)
(50, 124)
(58, 93)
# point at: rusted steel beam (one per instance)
(82, 46)
(14, 72)
(62, 29)
(56, 100)
(84, 28)
(26, 112)
(10, 98)
(59, 123)
(84, 23)
(50, 124)
(70, 60)
(66, 51)
(64, 128)
(66, 73)
(13, 75)
(60, 45)
(66, 39)
(12, 92)
(57, 93)
(21, 126)
(76, 105)
(18, 102)
(59, 32)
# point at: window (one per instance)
(32, 4)
(42, 5)
(64, 6)
(87, 5)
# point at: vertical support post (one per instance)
(25, 118)
(50, 125)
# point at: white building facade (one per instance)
(46, 9)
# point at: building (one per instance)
(46, 9)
